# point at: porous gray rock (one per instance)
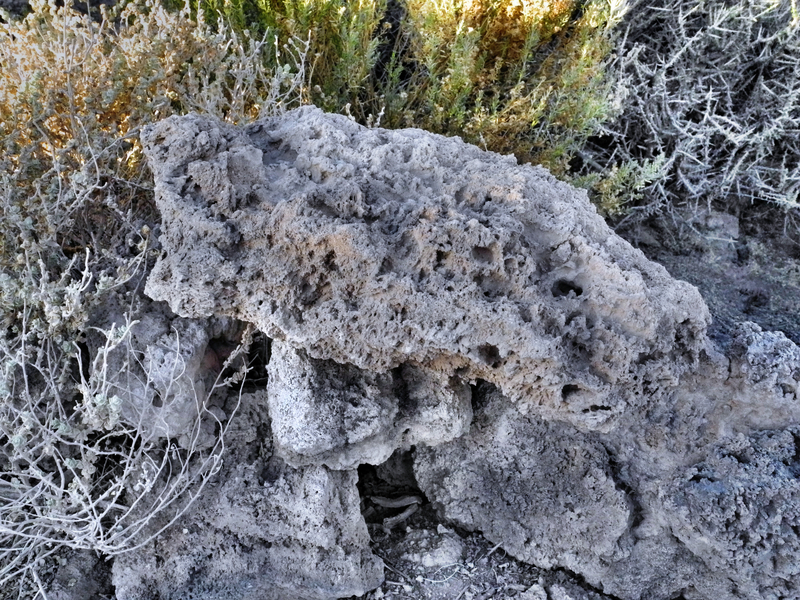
(768, 361)
(738, 511)
(342, 416)
(412, 283)
(378, 248)
(557, 497)
(262, 531)
(690, 498)
(555, 480)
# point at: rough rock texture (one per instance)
(378, 248)
(554, 479)
(738, 512)
(688, 498)
(264, 530)
(559, 389)
(338, 415)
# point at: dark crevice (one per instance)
(569, 390)
(393, 480)
(563, 287)
(616, 469)
(400, 390)
(483, 254)
(258, 357)
(386, 266)
(596, 408)
(272, 471)
(490, 355)
(481, 391)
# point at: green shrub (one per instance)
(526, 77)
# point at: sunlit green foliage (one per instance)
(527, 77)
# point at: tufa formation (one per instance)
(431, 304)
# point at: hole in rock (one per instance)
(563, 287)
(441, 256)
(596, 408)
(703, 478)
(329, 261)
(742, 457)
(490, 355)
(569, 390)
(400, 389)
(389, 492)
(525, 314)
(158, 402)
(386, 266)
(309, 294)
(218, 352)
(482, 254)
(258, 356)
(481, 393)
(272, 471)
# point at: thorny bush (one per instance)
(76, 221)
(713, 107)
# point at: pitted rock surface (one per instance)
(557, 390)
(262, 531)
(378, 248)
(341, 416)
(555, 479)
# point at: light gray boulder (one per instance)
(261, 530)
(556, 481)
(559, 389)
(697, 497)
(342, 416)
(376, 248)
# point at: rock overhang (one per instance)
(377, 248)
